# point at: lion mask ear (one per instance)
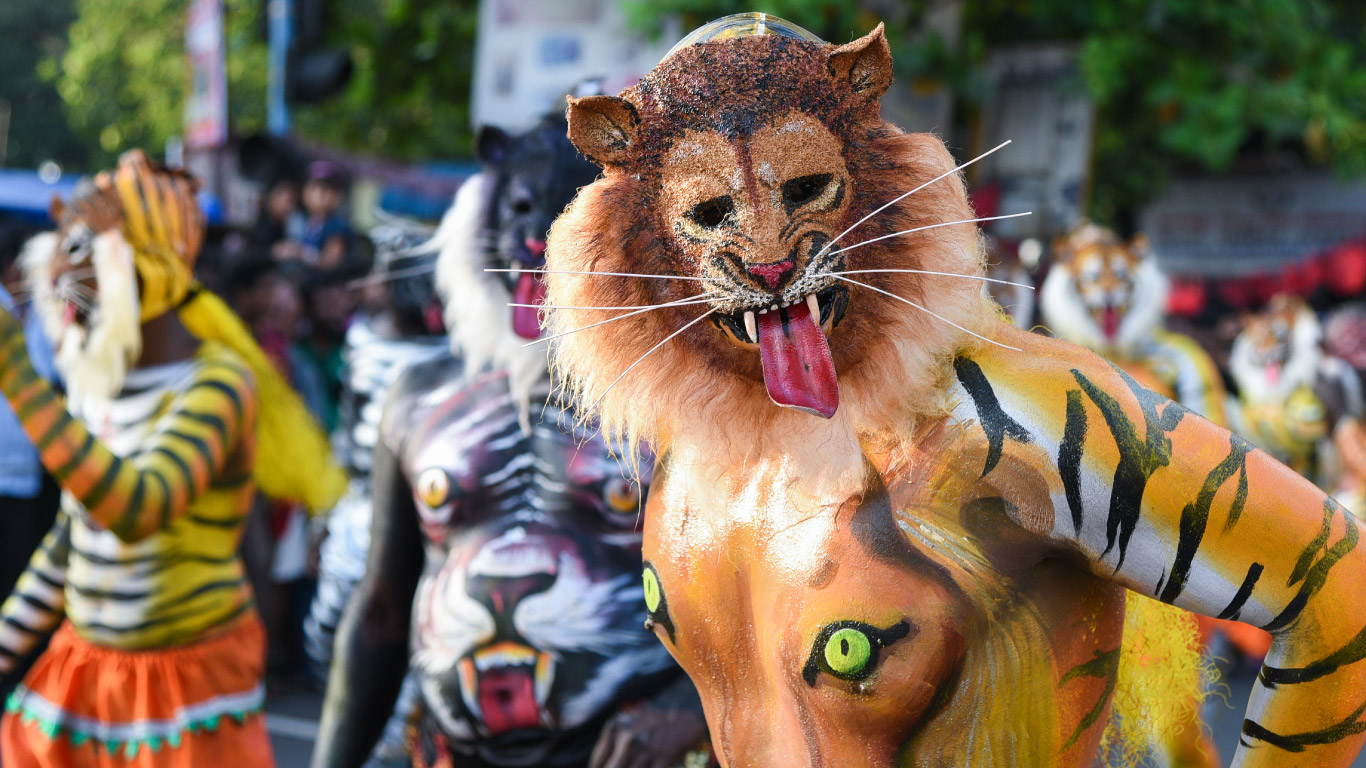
(603, 128)
(866, 64)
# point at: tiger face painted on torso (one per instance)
(878, 539)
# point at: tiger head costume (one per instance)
(746, 185)
(111, 266)
(1103, 293)
(123, 256)
(886, 527)
(491, 246)
(1278, 350)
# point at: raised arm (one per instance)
(1170, 505)
(371, 651)
(136, 495)
(38, 601)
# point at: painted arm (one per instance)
(38, 601)
(371, 652)
(1170, 505)
(137, 495)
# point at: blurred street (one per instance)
(292, 717)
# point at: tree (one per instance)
(34, 32)
(1179, 85)
(124, 76)
(410, 95)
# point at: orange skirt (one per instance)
(193, 706)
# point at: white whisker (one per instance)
(695, 300)
(896, 200)
(679, 303)
(930, 226)
(609, 274)
(629, 368)
(923, 272)
(84, 290)
(927, 311)
(79, 301)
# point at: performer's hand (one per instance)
(648, 737)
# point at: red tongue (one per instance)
(798, 370)
(1273, 373)
(529, 291)
(1111, 322)
(507, 697)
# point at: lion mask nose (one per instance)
(770, 274)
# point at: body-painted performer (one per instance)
(886, 527)
(174, 418)
(1291, 395)
(505, 547)
(377, 349)
(1110, 297)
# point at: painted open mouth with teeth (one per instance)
(505, 687)
(798, 369)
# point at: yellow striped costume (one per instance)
(160, 649)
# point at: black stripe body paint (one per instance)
(995, 421)
(1139, 456)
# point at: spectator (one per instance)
(319, 237)
(280, 204)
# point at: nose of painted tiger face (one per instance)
(536, 247)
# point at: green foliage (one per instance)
(409, 97)
(1179, 84)
(124, 76)
(34, 32)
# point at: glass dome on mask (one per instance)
(744, 25)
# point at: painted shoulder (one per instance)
(1036, 377)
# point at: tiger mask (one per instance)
(735, 204)
(1103, 293)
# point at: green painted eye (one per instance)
(847, 651)
(652, 595)
(656, 604)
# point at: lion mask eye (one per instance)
(849, 649)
